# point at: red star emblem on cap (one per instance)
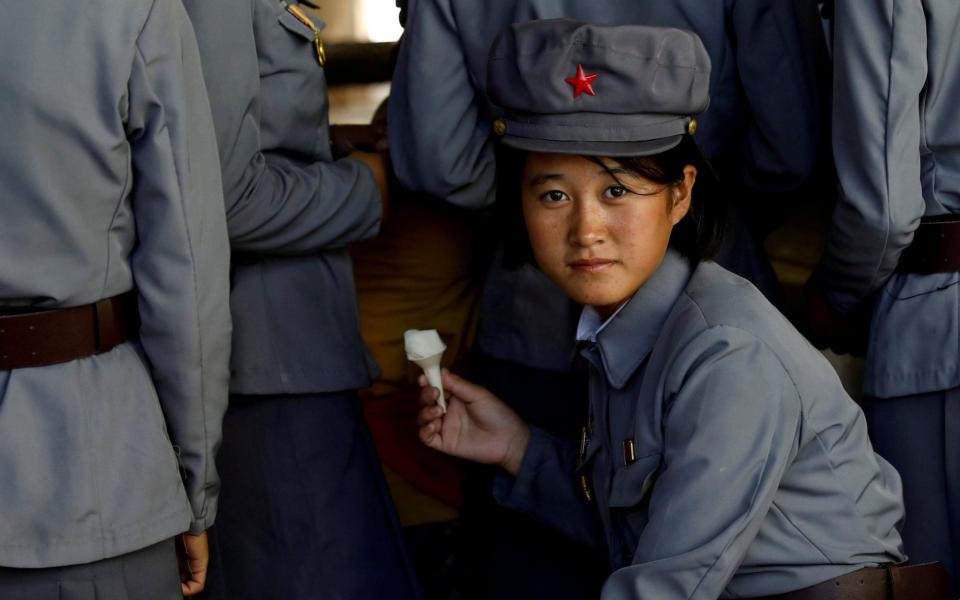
(581, 82)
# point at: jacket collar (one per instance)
(628, 337)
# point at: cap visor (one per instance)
(591, 148)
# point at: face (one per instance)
(599, 233)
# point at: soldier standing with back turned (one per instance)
(111, 213)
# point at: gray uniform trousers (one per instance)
(300, 509)
(920, 436)
(147, 574)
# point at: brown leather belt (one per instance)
(887, 582)
(48, 337)
(935, 247)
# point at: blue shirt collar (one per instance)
(627, 337)
(591, 323)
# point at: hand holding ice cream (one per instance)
(425, 349)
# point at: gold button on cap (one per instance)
(692, 126)
(500, 127)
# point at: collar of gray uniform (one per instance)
(626, 338)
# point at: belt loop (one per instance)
(894, 582)
(105, 325)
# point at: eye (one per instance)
(615, 191)
(554, 196)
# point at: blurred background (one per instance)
(360, 36)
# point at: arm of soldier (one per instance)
(284, 206)
(880, 70)
(780, 147)
(274, 205)
(439, 132)
(728, 440)
(538, 470)
(181, 262)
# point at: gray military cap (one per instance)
(576, 88)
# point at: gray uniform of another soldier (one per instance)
(109, 181)
(896, 140)
(302, 486)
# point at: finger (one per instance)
(429, 396)
(191, 588)
(430, 435)
(429, 414)
(422, 381)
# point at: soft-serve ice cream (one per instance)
(425, 349)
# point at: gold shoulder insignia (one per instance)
(297, 12)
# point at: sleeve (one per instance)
(439, 130)
(785, 122)
(879, 74)
(274, 205)
(546, 489)
(728, 440)
(282, 206)
(181, 261)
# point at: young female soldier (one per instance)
(721, 455)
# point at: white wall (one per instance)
(360, 20)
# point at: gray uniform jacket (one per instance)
(109, 180)
(753, 474)
(896, 140)
(761, 128)
(291, 209)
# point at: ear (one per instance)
(683, 194)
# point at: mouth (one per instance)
(591, 265)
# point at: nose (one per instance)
(587, 224)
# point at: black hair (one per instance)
(698, 236)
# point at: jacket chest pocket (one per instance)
(630, 491)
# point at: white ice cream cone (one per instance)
(431, 368)
(425, 349)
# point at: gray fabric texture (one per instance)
(109, 181)
(896, 142)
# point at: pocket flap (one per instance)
(632, 484)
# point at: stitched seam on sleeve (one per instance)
(196, 304)
(886, 154)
